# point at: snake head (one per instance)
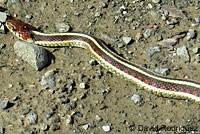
(20, 29)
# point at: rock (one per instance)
(137, 99)
(78, 114)
(62, 27)
(147, 33)
(127, 40)
(152, 50)
(2, 46)
(4, 104)
(69, 119)
(82, 85)
(2, 28)
(191, 67)
(29, 16)
(173, 11)
(168, 42)
(44, 127)
(120, 45)
(106, 128)
(182, 52)
(48, 80)
(191, 34)
(32, 118)
(2, 130)
(93, 62)
(197, 19)
(138, 36)
(162, 71)
(35, 55)
(86, 126)
(155, 1)
(98, 118)
(197, 58)
(168, 121)
(109, 38)
(196, 50)
(3, 16)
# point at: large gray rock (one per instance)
(35, 55)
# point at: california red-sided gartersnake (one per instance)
(164, 86)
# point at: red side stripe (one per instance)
(117, 66)
(163, 87)
(125, 71)
(139, 77)
(195, 93)
(146, 81)
(133, 74)
(154, 84)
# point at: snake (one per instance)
(160, 85)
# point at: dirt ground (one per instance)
(106, 96)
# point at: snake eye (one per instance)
(25, 27)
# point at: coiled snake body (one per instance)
(164, 86)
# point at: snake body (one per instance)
(160, 85)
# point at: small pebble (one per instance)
(48, 80)
(10, 85)
(168, 42)
(66, 100)
(92, 62)
(3, 16)
(79, 114)
(191, 34)
(155, 1)
(197, 19)
(197, 58)
(126, 40)
(28, 16)
(4, 104)
(152, 50)
(32, 118)
(191, 67)
(162, 71)
(182, 52)
(106, 128)
(147, 33)
(2, 130)
(69, 119)
(62, 27)
(2, 46)
(138, 36)
(43, 127)
(168, 121)
(98, 118)
(82, 85)
(120, 45)
(173, 11)
(137, 99)
(86, 126)
(196, 50)
(74, 104)
(109, 38)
